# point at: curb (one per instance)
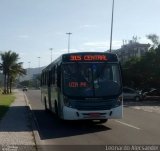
(34, 124)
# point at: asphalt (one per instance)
(138, 127)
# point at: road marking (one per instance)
(129, 125)
(33, 115)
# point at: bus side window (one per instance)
(53, 75)
(49, 78)
(41, 79)
(46, 78)
(59, 76)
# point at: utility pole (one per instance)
(111, 26)
(68, 41)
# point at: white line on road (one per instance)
(129, 125)
(34, 118)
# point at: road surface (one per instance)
(136, 127)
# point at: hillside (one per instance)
(31, 72)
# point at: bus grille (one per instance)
(94, 105)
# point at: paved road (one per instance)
(137, 127)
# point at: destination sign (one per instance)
(88, 58)
(77, 84)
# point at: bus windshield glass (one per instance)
(91, 79)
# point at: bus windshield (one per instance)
(91, 79)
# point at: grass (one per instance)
(5, 102)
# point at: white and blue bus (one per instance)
(83, 86)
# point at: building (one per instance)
(132, 49)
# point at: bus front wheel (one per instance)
(103, 121)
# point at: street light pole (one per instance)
(68, 41)
(51, 53)
(111, 26)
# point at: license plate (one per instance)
(94, 114)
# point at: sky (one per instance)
(31, 27)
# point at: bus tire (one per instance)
(45, 105)
(102, 121)
(56, 109)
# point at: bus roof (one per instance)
(84, 57)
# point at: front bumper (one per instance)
(74, 114)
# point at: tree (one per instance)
(145, 71)
(10, 68)
(16, 70)
(4, 67)
(154, 39)
(130, 72)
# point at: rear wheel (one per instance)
(57, 114)
(56, 109)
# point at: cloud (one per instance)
(59, 33)
(88, 26)
(62, 51)
(144, 40)
(66, 50)
(95, 44)
(103, 44)
(23, 36)
(22, 54)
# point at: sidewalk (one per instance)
(16, 127)
(147, 105)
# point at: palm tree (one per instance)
(10, 68)
(16, 70)
(4, 67)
